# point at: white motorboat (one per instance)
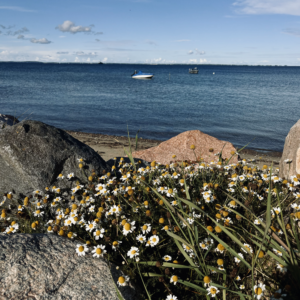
(141, 75)
(193, 71)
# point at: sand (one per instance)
(109, 146)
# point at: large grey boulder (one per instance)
(33, 154)
(291, 151)
(7, 120)
(46, 267)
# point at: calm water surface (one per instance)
(238, 104)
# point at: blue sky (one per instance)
(264, 32)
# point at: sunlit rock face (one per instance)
(291, 152)
(206, 147)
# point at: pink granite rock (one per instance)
(291, 151)
(180, 146)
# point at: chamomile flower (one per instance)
(38, 213)
(99, 251)
(248, 247)
(259, 290)
(60, 176)
(70, 176)
(128, 227)
(154, 239)
(115, 245)
(81, 249)
(133, 252)
(167, 258)
(281, 268)
(141, 238)
(242, 287)
(171, 297)
(123, 280)
(187, 248)
(174, 279)
(258, 221)
(146, 228)
(90, 226)
(236, 259)
(212, 291)
(99, 233)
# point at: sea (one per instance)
(245, 105)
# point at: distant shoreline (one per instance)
(145, 64)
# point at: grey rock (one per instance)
(7, 120)
(46, 267)
(33, 154)
(291, 151)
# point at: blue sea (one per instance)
(240, 104)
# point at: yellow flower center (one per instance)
(38, 211)
(175, 278)
(121, 279)
(145, 227)
(220, 262)
(98, 250)
(133, 252)
(213, 291)
(91, 225)
(232, 203)
(206, 279)
(80, 248)
(154, 240)
(166, 227)
(258, 291)
(127, 226)
(115, 243)
(221, 247)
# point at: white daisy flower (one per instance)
(81, 249)
(171, 297)
(128, 227)
(212, 291)
(99, 250)
(146, 228)
(133, 252)
(237, 260)
(167, 258)
(259, 290)
(115, 245)
(141, 238)
(123, 280)
(99, 233)
(174, 279)
(90, 226)
(154, 239)
(38, 213)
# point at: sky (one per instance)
(254, 32)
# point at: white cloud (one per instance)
(68, 26)
(202, 61)
(292, 31)
(193, 61)
(77, 59)
(62, 52)
(20, 37)
(17, 8)
(62, 36)
(199, 52)
(81, 53)
(104, 59)
(40, 41)
(286, 7)
(196, 51)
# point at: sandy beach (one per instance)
(109, 146)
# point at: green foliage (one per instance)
(236, 225)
